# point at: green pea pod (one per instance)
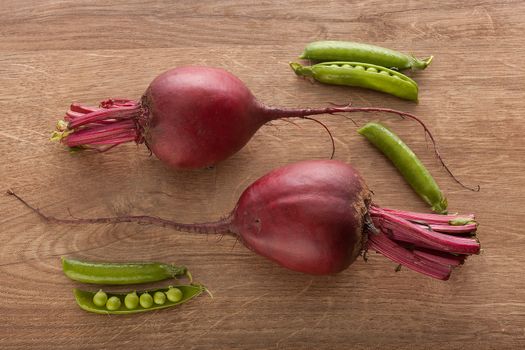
(363, 75)
(120, 273)
(324, 51)
(408, 164)
(85, 300)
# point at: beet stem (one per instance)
(116, 121)
(468, 229)
(404, 230)
(415, 241)
(439, 257)
(392, 250)
(429, 218)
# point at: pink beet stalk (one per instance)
(439, 257)
(453, 230)
(430, 218)
(387, 247)
(425, 243)
(401, 228)
(117, 121)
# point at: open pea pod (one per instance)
(364, 75)
(134, 302)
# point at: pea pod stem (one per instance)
(120, 273)
(333, 50)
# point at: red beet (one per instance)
(307, 216)
(189, 117)
(317, 217)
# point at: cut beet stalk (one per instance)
(405, 230)
(440, 257)
(428, 218)
(382, 244)
(468, 229)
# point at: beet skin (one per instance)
(317, 232)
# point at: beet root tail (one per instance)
(217, 227)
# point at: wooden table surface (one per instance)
(472, 97)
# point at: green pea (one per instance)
(159, 298)
(359, 67)
(174, 294)
(131, 300)
(146, 300)
(329, 51)
(113, 303)
(100, 298)
(347, 66)
(372, 69)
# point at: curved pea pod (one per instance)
(324, 51)
(363, 75)
(120, 273)
(85, 300)
(408, 164)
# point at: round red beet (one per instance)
(189, 117)
(199, 111)
(316, 217)
(308, 219)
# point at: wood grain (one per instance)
(472, 97)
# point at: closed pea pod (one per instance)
(361, 75)
(330, 50)
(120, 273)
(115, 306)
(408, 164)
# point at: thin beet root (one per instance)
(317, 217)
(221, 226)
(189, 117)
